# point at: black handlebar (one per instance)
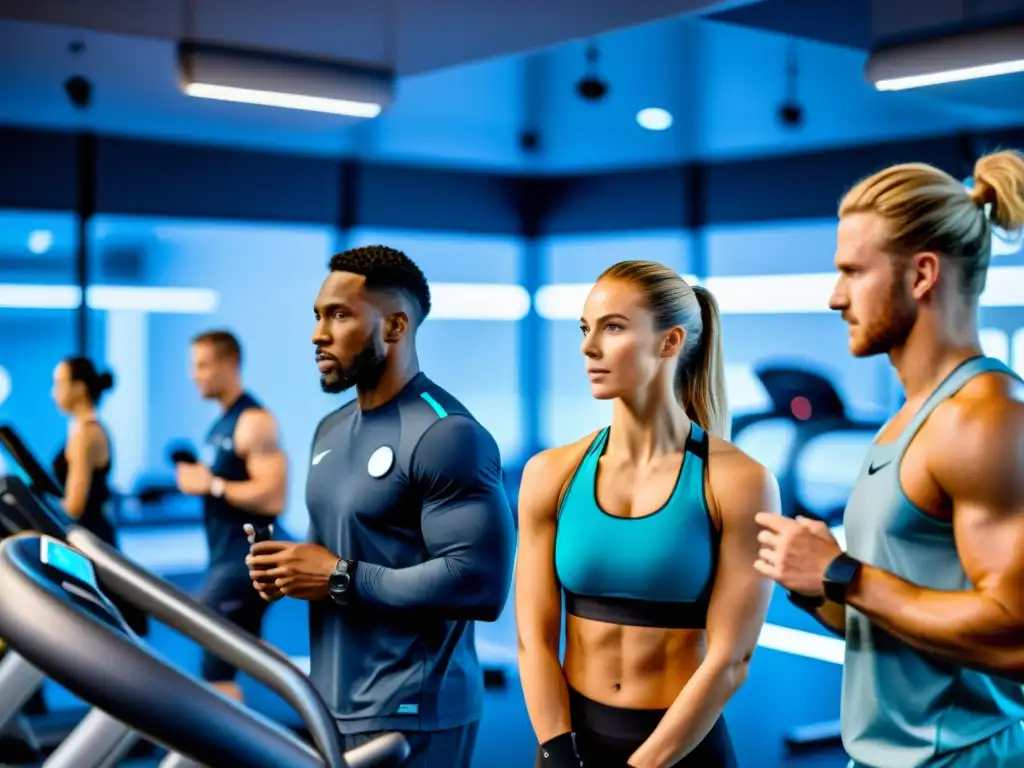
(170, 605)
(42, 482)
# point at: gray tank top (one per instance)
(902, 708)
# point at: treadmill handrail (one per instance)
(174, 710)
(32, 513)
(41, 479)
(172, 606)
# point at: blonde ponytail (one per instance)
(999, 181)
(700, 379)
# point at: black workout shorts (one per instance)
(229, 592)
(607, 735)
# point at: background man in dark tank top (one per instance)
(242, 480)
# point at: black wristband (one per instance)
(560, 752)
(805, 602)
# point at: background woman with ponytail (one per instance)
(83, 464)
(647, 529)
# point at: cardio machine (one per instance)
(24, 736)
(806, 429)
(58, 616)
(104, 737)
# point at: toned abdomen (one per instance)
(630, 667)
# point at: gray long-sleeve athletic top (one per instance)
(412, 491)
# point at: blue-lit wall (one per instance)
(33, 340)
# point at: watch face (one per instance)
(340, 579)
(842, 570)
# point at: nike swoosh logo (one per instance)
(319, 457)
(872, 468)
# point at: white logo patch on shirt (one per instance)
(320, 457)
(380, 461)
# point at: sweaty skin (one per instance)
(690, 672)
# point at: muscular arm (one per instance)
(739, 605)
(80, 466)
(832, 616)
(983, 627)
(256, 441)
(537, 596)
(467, 528)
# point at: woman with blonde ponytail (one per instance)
(928, 592)
(647, 529)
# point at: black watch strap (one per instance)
(809, 603)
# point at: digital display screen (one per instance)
(68, 561)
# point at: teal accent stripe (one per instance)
(441, 412)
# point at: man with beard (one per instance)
(929, 593)
(242, 483)
(411, 535)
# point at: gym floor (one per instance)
(506, 740)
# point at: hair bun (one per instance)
(999, 182)
(106, 381)
(982, 193)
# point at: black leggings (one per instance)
(607, 736)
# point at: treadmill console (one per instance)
(68, 562)
(71, 571)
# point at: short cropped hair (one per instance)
(224, 343)
(386, 269)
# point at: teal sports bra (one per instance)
(651, 571)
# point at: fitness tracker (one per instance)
(339, 583)
(809, 603)
(217, 487)
(838, 576)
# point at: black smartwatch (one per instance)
(838, 576)
(339, 583)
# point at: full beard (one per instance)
(365, 371)
(892, 327)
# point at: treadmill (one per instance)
(60, 619)
(825, 413)
(56, 615)
(23, 736)
(101, 741)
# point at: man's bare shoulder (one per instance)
(256, 431)
(981, 425)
